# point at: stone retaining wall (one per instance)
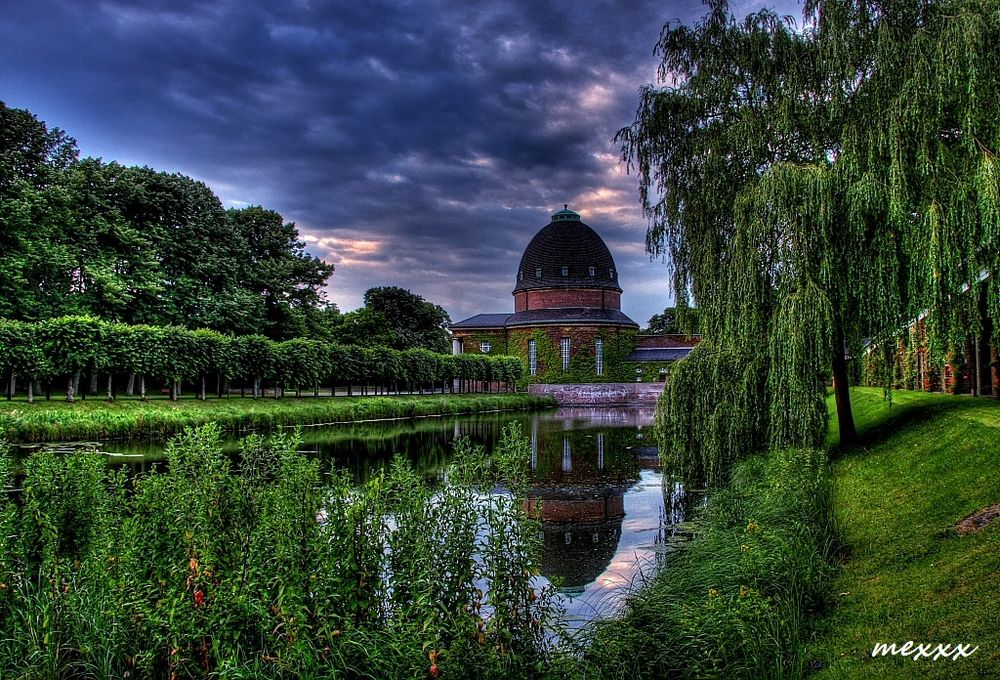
(601, 394)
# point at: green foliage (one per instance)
(732, 602)
(271, 571)
(709, 417)
(583, 362)
(815, 187)
(136, 419)
(680, 320)
(84, 237)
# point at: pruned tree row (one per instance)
(54, 355)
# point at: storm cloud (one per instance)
(418, 144)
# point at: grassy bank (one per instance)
(922, 465)
(732, 603)
(134, 419)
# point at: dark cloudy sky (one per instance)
(418, 144)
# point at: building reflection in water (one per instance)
(606, 513)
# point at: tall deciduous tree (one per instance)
(812, 187)
(415, 323)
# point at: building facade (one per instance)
(567, 325)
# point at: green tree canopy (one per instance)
(812, 187)
(130, 244)
(674, 321)
(394, 317)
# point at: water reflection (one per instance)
(608, 516)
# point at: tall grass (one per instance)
(271, 570)
(732, 603)
(54, 421)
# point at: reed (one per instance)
(271, 570)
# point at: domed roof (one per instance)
(567, 253)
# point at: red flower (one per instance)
(434, 670)
(199, 598)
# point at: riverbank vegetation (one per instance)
(270, 570)
(158, 418)
(735, 601)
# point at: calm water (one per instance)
(608, 514)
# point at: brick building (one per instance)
(567, 325)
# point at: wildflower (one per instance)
(752, 527)
(199, 598)
(744, 591)
(193, 564)
(713, 593)
(3, 586)
(432, 656)
(744, 547)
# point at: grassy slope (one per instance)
(923, 464)
(130, 418)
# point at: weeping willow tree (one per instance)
(812, 187)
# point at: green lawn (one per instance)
(922, 465)
(131, 418)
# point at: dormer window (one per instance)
(612, 272)
(520, 275)
(565, 271)
(538, 273)
(593, 271)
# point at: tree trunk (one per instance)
(31, 391)
(841, 391)
(130, 385)
(69, 390)
(93, 382)
(110, 387)
(202, 395)
(142, 387)
(76, 383)
(10, 386)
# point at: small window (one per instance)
(520, 275)
(532, 358)
(599, 355)
(564, 351)
(538, 273)
(485, 347)
(565, 271)
(612, 272)
(593, 271)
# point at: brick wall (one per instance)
(558, 298)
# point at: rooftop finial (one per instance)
(565, 215)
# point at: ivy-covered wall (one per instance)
(472, 340)
(618, 344)
(583, 360)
